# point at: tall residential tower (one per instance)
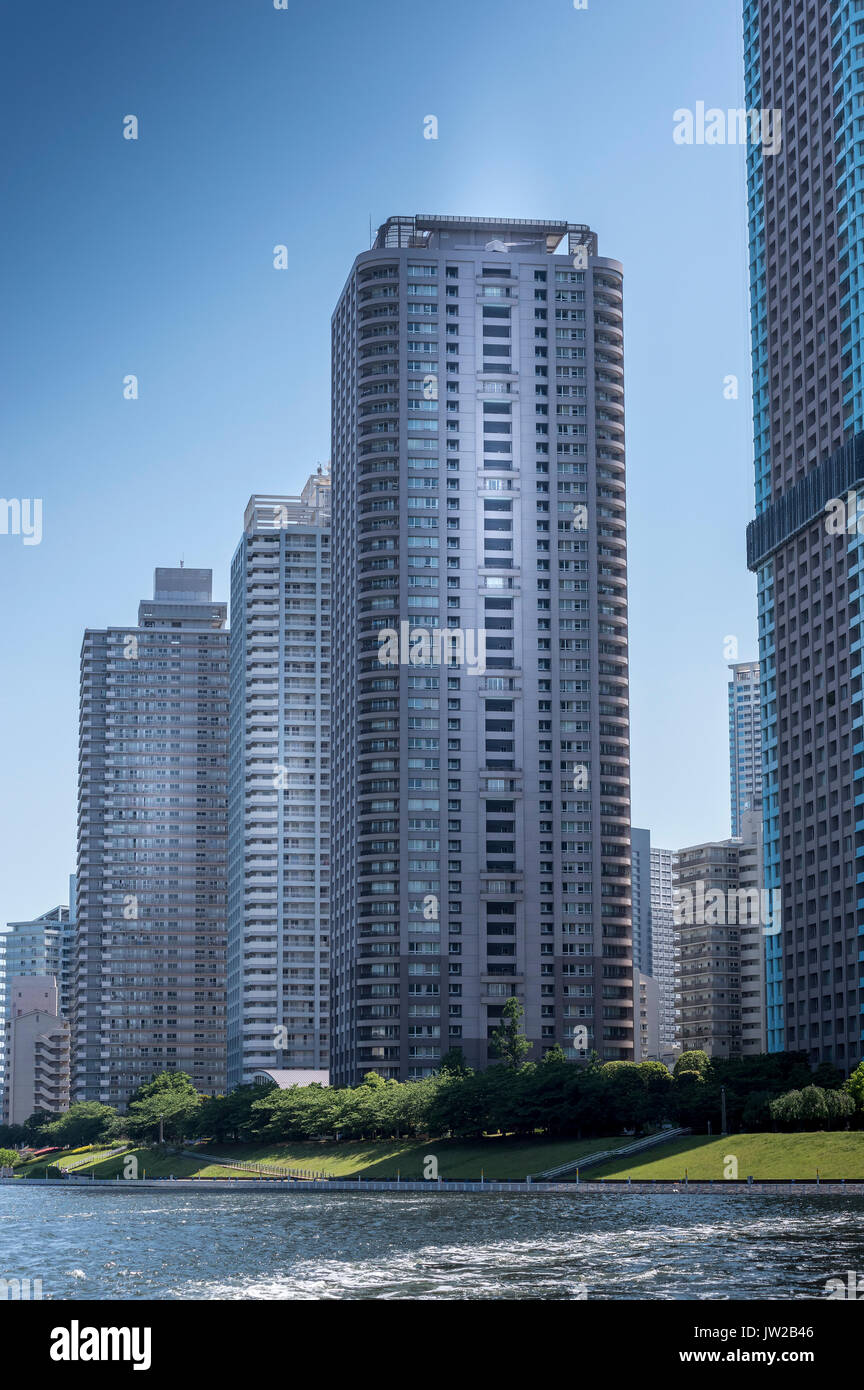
(279, 787)
(745, 742)
(805, 59)
(640, 848)
(663, 943)
(149, 992)
(481, 833)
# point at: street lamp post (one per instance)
(723, 1111)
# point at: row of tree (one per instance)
(554, 1096)
(813, 1108)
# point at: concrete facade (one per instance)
(481, 832)
(37, 1050)
(640, 846)
(150, 943)
(43, 946)
(707, 955)
(279, 787)
(647, 1003)
(663, 943)
(806, 261)
(753, 937)
(722, 920)
(745, 742)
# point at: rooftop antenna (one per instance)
(370, 231)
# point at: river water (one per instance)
(452, 1246)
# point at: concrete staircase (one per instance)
(592, 1160)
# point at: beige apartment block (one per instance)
(647, 1034)
(720, 945)
(37, 1050)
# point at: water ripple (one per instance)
(446, 1246)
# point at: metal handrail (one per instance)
(589, 1160)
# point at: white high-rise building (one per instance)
(43, 946)
(279, 787)
(745, 742)
(640, 845)
(754, 1037)
(663, 943)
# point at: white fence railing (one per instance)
(98, 1157)
(270, 1170)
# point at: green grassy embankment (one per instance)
(495, 1157)
(767, 1156)
(152, 1163)
(63, 1159)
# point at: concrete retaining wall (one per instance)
(572, 1189)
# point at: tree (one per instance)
(786, 1110)
(757, 1110)
(507, 1042)
(298, 1112)
(459, 1106)
(8, 1158)
(854, 1087)
(506, 1091)
(167, 1103)
(232, 1116)
(697, 1061)
(693, 1100)
(658, 1091)
(372, 1080)
(625, 1095)
(35, 1126)
(829, 1077)
(175, 1082)
(841, 1108)
(547, 1089)
(409, 1104)
(13, 1134)
(814, 1111)
(86, 1122)
(453, 1063)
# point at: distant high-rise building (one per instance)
(750, 876)
(279, 787)
(722, 919)
(640, 844)
(745, 742)
(43, 946)
(37, 1050)
(647, 1002)
(663, 943)
(646, 989)
(804, 60)
(4, 992)
(481, 830)
(707, 953)
(150, 932)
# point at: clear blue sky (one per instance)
(261, 126)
